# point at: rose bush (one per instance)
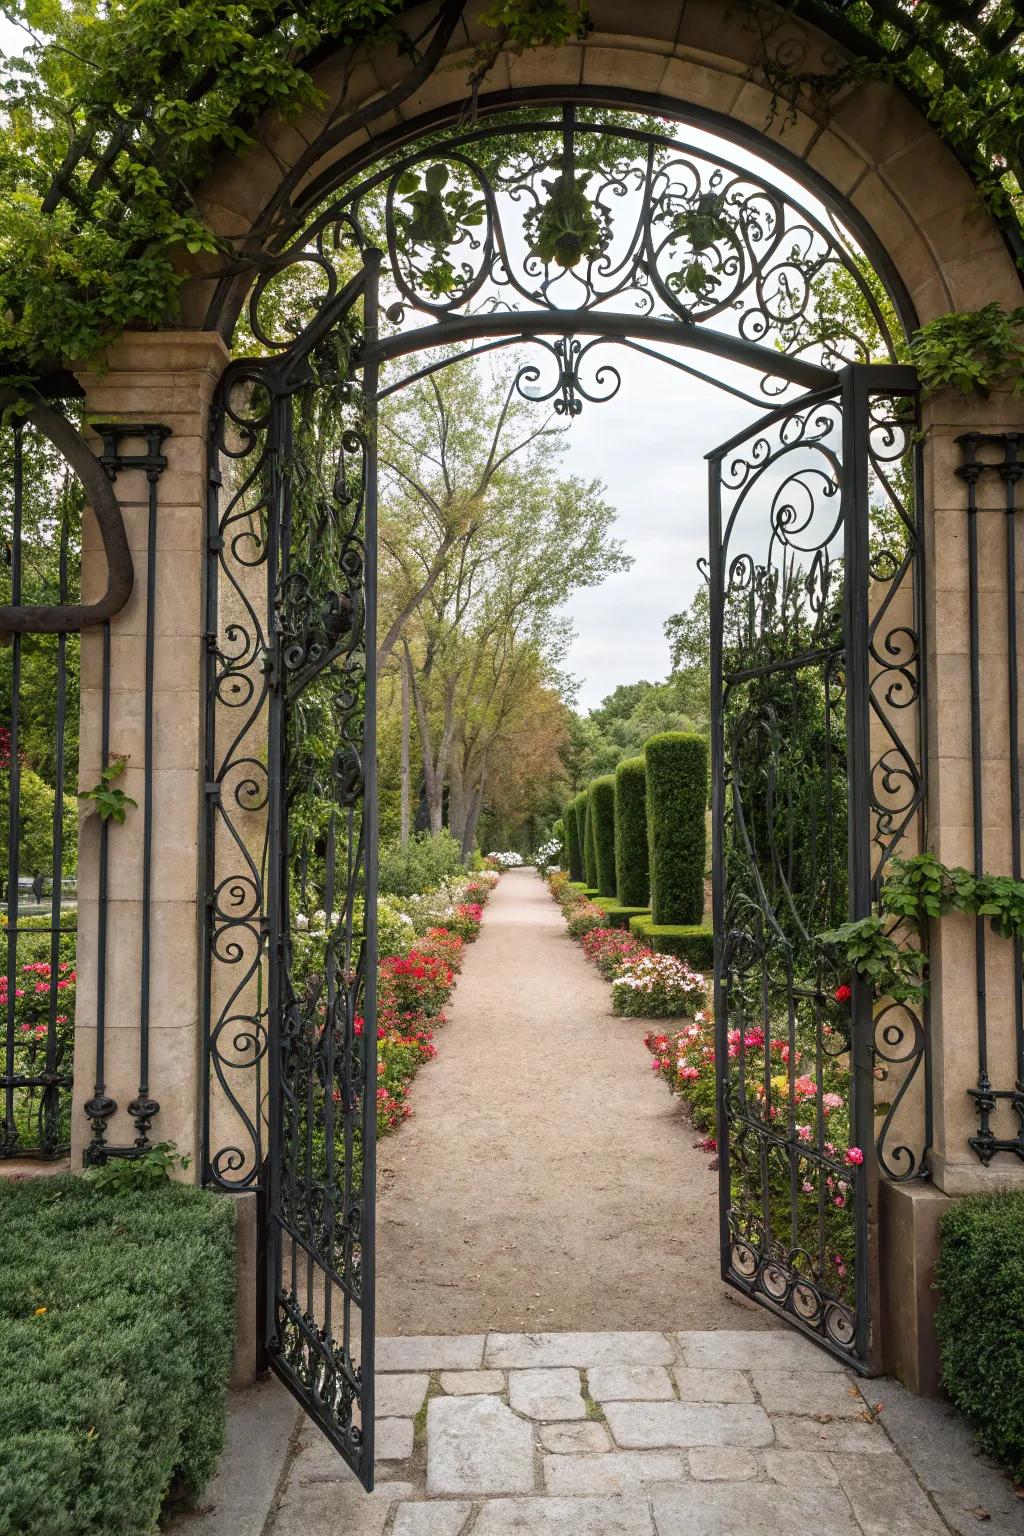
(612, 950)
(657, 987)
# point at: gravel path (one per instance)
(547, 1180)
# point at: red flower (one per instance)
(842, 994)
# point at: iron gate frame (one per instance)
(852, 391)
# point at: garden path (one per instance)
(546, 1180)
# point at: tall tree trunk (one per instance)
(406, 727)
(476, 805)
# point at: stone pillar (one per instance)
(956, 1168)
(164, 378)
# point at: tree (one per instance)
(483, 543)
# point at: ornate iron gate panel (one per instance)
(291, 847)
(817, 782)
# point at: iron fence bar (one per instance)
(101, 1107)
(370, 843)
(14, 795)
(1007, 466)
(719, 790)
(856, 514)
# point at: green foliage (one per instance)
(619, 916)
(569, 226)
(579, 805)
(571, 841)
(887, 953)
(624, 720)
(602, 815)
(36, 802)
(429, 859)
(589, 844)
(632, 883)
(980, 1319)
(973, 353)
(677, 797)
(110, 803)
(395, 930)
(117, 1320)
(692, 942)
(124, 1175)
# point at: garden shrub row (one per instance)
(117, 1323)
(677, 796)
(980, 1319)
(632, 881)
(602, 813)
(571, 840)
(589, 844)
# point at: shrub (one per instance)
(602, 815)
(980, 1320)
(508, 860)
(117, 1321)
(612, 950)
(632, 883)
(582, 916)
(428, 859)
(677, 794)
(395, 931)
(657, 987)
(444, 943)
(691, 942)
(589, 845)
(619, 917)
(465, 920)
(419, 982)
(573, 846)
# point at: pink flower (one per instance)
(854, 1156)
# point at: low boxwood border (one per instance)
(980, 1319)
(117, 1322)
(692, 942)
(619, 916)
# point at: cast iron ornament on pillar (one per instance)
(996, 455)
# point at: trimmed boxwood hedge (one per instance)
(589, 846)
(117, 1322)
(692, 942)
(571, 841)
(619, 916)
(677, 796)
(980, 1319)
(632, 884)
(602, 814)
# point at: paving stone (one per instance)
(743, 1349)
(628, 1383)
(809, 1392)
(565, 1517)
(844, 1435)
(805, 1469)
(400, 1397)
(472, 1383)
(939, 1446)
(641, 1425)
(584, 1350)
(722, 1464)
(698, 1385)
(431, 1352)
(338, 1509)
(575, 1439)
(477, 1445)
(750, 1509)
(618, 1472)
(392, 1439)
(886, 1497)
(547, 1394)
(438, 1517)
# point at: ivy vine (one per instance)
(885, 948)
(974, 353)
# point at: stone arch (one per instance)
(871, 147)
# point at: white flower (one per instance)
(301, 921)
(335, 919)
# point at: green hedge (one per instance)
(619, 916)
(589, 845)
(677, 796)
(571, 841)
(117, 1321)
(580, 807)
(632, 883)
(980, 1319)
(602, 814)
(691, 942)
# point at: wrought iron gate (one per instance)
(291, 846)
(817, 781)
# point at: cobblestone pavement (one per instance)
(727, 1433)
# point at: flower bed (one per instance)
(657, 987)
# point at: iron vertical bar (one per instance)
(101, 1106)
(143, 1108)
(1011, 470)
(372, 261)
(855, 510)
(10, 1137)
(718, 871)
(56, 894)
(211, 596)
